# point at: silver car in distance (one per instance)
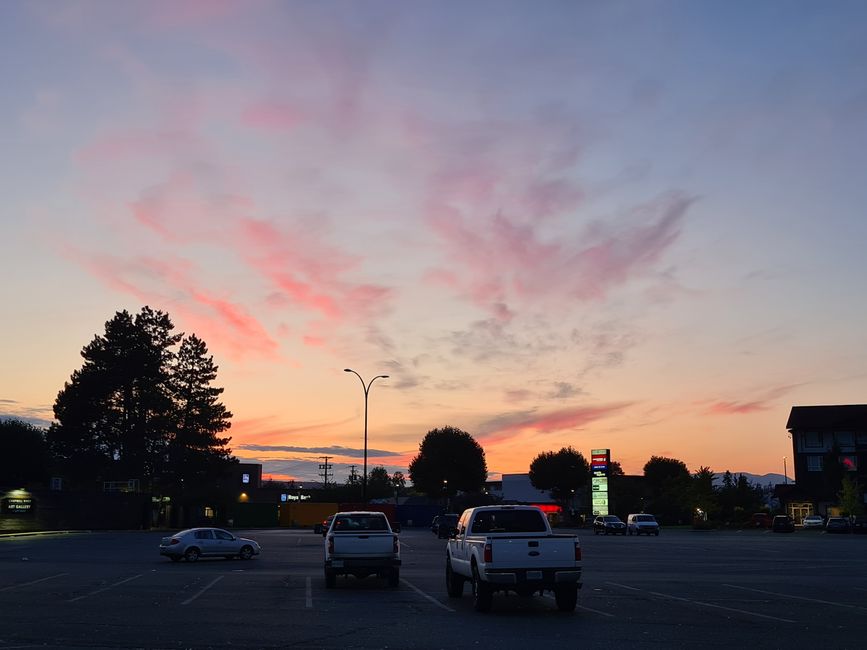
(193, 543)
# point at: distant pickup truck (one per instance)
(361, 543)
(512, 548)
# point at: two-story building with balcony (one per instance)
(821, 436)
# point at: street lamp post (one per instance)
(366, 388)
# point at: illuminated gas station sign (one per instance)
(600, 461)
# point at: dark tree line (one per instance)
(25, 458)
(142, 406)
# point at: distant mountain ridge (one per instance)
(757, 479)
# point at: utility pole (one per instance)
(325, 467)
(353, 475)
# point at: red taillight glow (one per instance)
(489, 553)
(331, 545)
(577, 552)
(174, 541)
(396, 546)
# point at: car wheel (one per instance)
(246, 552)
(394, 577)
(192, 554)
(657, 533)
(566, 597)
(454, 583)
(330, 579)
(482, 593)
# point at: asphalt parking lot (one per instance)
(681, 589)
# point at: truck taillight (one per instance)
(331, 545)
(577, 552)
(396, 546)
(489, 553)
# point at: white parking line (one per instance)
(202, 590)
(704, 604)
(32, 582)
(595, 611)
(99, 591)
(811, 600)
(586, 609)
(308, 603)
(429, 597)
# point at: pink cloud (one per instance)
(506, 261)
(168, 285)
(309, 272)
(766, 401)
(135, 144)
(272, 116)
(507, 427)
(738, 408)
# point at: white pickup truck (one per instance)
(360, 544)
(512, 548)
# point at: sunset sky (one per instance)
(632, 225)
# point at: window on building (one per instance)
(849, 463)
(209, 512)
(814, 463)
(844, 438)
(813, 439)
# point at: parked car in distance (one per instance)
(609, 525)
(361, 543)
(783, 524)
(859, 524)
(193, 543)
(813, 522)
(447, 525)
(642, 523)
(435, 524)
(760, 520)
(837, 525)
(321, 527)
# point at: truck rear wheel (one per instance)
(454, 582)
(482, 593)
(566, 597)
(330, 579)
(394, 578)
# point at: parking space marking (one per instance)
(99, 591)
(595, 611)
(32, 582)
(428, 596)
(811, 600)
(586, 609)
(704, 604)
(202, 590)
(308, 602)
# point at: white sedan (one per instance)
(813, 521)
(194, 543)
